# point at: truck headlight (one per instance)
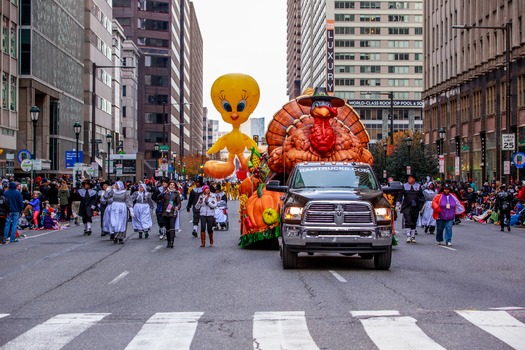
(293, 213)
(383, 214)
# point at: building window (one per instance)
(398, 82)
(342, 17)
(370, 30)
(153, 136)
(418, 31)
(398, 56)
(344, 30)
(399, 69)
(370, 18)
(398, 31)
(370, 69)
(418, 69)
(418, 44)
(149, 24)
(156, 61)
(13, 92)
(344, 43)
(124, 21)
(124, 112)
(156, 80)
(121, 3)
(344, 5)
(153, 42)
(418, 6)
(124, 132)
(399, 43)
(370, 43)
(370, 56)
(418, 82)
(418, 56)
(370, 82)
(124, 88)
(398, 5)
(153, 6)
(5, 89)
(345, 69)
(370, 4)
(418, 18)
(344, 82)
(398, 18)
(25, 51)
(5, 35)
(12, 45)
(344, 56)
(156, 99)
(153, 118)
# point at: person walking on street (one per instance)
(192, 201)
(412, 202)
(446, 206)
(171, 203)
(88, 200)
(63, 198)
(75, 203)
(16, 206)
(120, 207)
(104, 210)
(157, 196)
(427, 220)
(206, 205)
(504, 204)
(143, 204)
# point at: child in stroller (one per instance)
(221, 215)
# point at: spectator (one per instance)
(52, 195)
(63, 198)
(16, 205)
(4, 210)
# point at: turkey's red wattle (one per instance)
(322, 136)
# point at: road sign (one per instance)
(164, 148)
(456, 161)
(409, 170)
(37, 164)
(164, 167)
(519, 159)
(506, 167)
(441, 164)
(508, 142)
(71, 158)
(26, 165)
(23, 154)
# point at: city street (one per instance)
(65, 290)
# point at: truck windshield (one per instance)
(334, 176)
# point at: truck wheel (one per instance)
(289, 258)
(382, 260)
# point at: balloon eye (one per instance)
(227, 106)
(241, 105)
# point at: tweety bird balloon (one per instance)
(235, 96)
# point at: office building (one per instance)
(466, 84)
(362, 51)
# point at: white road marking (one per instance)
(500, 324)
(282, 330)
(55, 333)
(167, 330)
(338, 276)
(374, 313)
(42, 234)
(508, 308)
(445, 247)
(156, 248)
(119, 277)
(398, 333)
(3, 315)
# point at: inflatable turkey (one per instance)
(316, 127)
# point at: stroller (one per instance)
(221, 216)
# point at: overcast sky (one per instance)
(245, 36)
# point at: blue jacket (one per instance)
(16, 203)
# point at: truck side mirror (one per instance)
(275, 185)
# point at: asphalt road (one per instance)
(65, 290)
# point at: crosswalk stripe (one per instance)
(167, 330)
(398, 333)
(55, 332)
(500, 324)
(281, 330)
(3, 315)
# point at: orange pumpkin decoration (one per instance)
(258, 202)
(248, 186)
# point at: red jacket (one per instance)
(437, 209)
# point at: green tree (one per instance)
(423, 162)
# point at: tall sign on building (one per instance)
(330, 25)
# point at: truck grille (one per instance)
(339, 214)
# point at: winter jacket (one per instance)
(436, 204)
(52, 194)
(4, 205)
(35, 203)
(63, 196)
(174, 197)
(16, 203)
(206, 206)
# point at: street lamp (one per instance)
(506, 30)
(109, 137)
(173, 157)
(409, 145)
(384, 152)
(77, 128)
(35, 113)
(156, 148)
(441, 133)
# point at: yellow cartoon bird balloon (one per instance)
(235, 96)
